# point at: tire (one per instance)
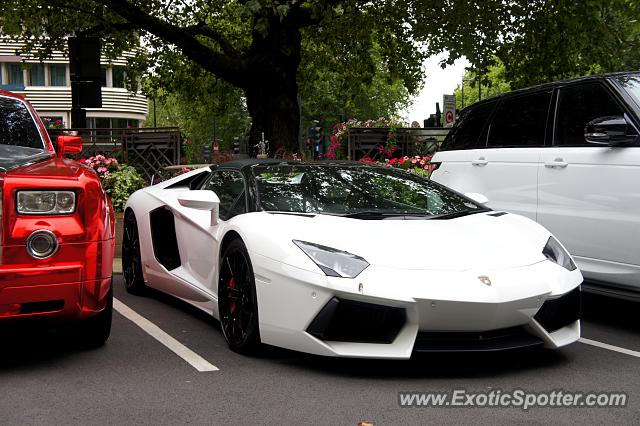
(131, 260)
(237, 300)
(94, 331)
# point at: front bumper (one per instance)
(73, 284)
(441, 311)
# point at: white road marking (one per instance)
(157, 333)
(609, 347)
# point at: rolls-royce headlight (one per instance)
(333, 262)
(556, 253)
(46, 202)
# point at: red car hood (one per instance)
(50, 168)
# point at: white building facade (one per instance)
(47, 86)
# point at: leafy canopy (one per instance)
(276, 50)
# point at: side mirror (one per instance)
(201, 200)
(69, 145)
(611, 131)
(478, 198)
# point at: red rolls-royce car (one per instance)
(56, 230)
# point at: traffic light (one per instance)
(317, 141)
(236, 145)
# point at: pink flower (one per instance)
(414, 161)
(422, 162)
(189, 142)
(184, 170)
(106, 175)
(102, 169)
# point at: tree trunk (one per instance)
(273, 106)
(272, 89)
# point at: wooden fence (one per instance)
(366, 142)
(150, 150)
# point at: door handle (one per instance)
(557, 163)
(480, 162)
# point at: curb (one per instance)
(117, 265)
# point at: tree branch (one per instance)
(224, 65)
(205, 30)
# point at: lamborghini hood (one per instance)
(477, 241)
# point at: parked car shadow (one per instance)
(31, 344)
(609, 311)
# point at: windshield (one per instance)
(632, 84)
(17, 127)
(353, 190)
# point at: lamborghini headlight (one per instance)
(333, 262)
(556, 253)
(46, 202)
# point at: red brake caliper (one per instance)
(232, 305)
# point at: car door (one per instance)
(505, 169)
(198, 241)
(515, 137)
(460, 159)
(589, 194)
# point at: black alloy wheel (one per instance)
(131, 261)
(237, 301)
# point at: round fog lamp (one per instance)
(42, 244)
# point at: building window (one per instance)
(112, 123)
(103, 76)
(14, 75)
(117, 74)
(55, 122)
(36, 75)
(58, 74)
(102, 123)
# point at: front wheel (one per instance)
(237, 300)
(131, 259)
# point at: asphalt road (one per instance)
(134, 379)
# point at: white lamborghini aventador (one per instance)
(348, 259)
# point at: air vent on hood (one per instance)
(497, 214)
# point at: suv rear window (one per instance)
(467, 132)
(520, 121)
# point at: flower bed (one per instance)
(420, 165)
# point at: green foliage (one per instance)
(121, 184)
(493, 83)
(195, 108)
(332, 87)
(536, 40)
(356, 58)
(562, 39)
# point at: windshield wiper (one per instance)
(460, 213)
(372, 214)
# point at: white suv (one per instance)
(566, 154)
